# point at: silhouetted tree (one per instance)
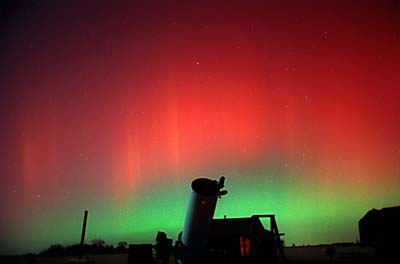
(98, 242)
(98, 246)
(75, 249)
(122, 247)
(122, 244)
(54, 250)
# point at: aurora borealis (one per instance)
(115, 106)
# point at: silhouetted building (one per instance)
(381, 229)
(242, 240)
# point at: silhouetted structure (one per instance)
(84, 227)
(83, 258)
(163, 247)
(242, 240)
(381, 229)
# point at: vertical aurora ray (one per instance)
(116, 108)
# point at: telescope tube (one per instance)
(201, 207)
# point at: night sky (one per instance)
(117, 106)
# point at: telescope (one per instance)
(202, 202)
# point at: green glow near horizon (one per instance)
(303, 218)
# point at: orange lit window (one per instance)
(244, 247)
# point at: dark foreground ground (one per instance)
(295, 255)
